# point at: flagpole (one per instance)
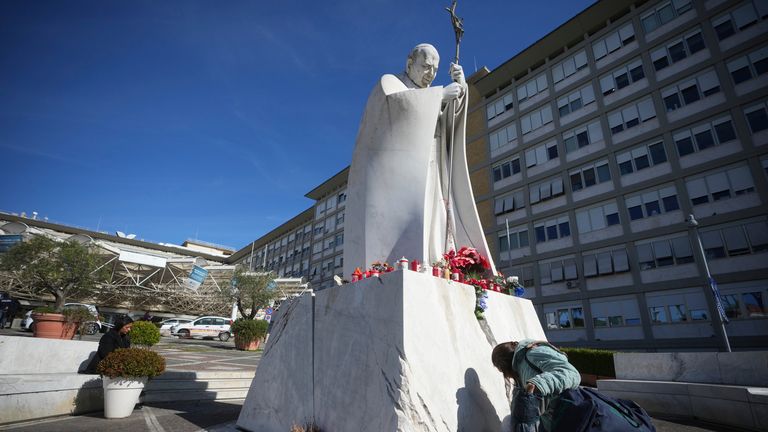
(712, 285)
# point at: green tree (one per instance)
(252, 291)
(62, 269)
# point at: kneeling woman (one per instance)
(117, 337)
(541, 372)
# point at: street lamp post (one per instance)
(694, 225)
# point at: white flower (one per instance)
(512, 279)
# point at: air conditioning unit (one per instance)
(572, 284)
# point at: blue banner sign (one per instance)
(196, 277)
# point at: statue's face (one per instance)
(423, 69)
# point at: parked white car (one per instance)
(165, 326)
(207, 326)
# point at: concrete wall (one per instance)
(38, 378)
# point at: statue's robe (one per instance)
(398, 180)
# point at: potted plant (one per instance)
(144, 333)
(59, 269)
(249, 333)
(124, 373)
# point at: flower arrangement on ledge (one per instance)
(473, 269)
(466, 265)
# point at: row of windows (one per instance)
(664, 13)
(677, 49)
(683, 93)
(742, 17)
(690, 90)
(668, 53)
(676, 309)
(712, 186)
(736, 240)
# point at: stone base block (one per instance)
(403, 352)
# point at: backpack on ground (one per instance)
(585, 409)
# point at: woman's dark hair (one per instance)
(121, 322)
(502, 358)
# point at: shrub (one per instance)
(44, 309)
(132, 363)
(249, 330)
(591, 361)
(144, 333)
(78, 315)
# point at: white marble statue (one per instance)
(407, 194)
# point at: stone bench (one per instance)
(38, 378)
(725, 388)
(739, 406)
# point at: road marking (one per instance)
(152, 423)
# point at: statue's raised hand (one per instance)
(457, 74)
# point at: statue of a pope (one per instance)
(407, 194)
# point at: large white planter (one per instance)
(121, 395)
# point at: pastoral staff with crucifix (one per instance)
(409, 192)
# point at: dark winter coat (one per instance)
(111, 341)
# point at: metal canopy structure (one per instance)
(143, 278)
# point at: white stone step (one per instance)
(198, 385)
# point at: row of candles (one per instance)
(404, 264)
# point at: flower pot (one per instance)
(53, 326)
(246, 345)
(121, 395)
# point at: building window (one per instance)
(720, 185)
(652, 203)
(546, 190)
(576, 100)
(627, 74)
(704, 136)
(515, 238)
(506, 169)
(552, 229)
(569, 66)
(590, 175)
(614, 41)
(499, 106)
(677, 49)
(582, 136)
(509, 203)
(342, 197)
(504, 137)
(631, 115)
(531, 88)
(663, 253)
(536, 119)
(742, 17)
(749, 66)
(597, 218)
(690, 91)
(641, 157)
(565, 318)
(757, 117)
(664, 13)
(743, 239)
(605, 263)
(558, 271)
(541, 154)
(754, 305)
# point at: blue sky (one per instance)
(211, 119)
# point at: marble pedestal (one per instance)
(403, 352)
